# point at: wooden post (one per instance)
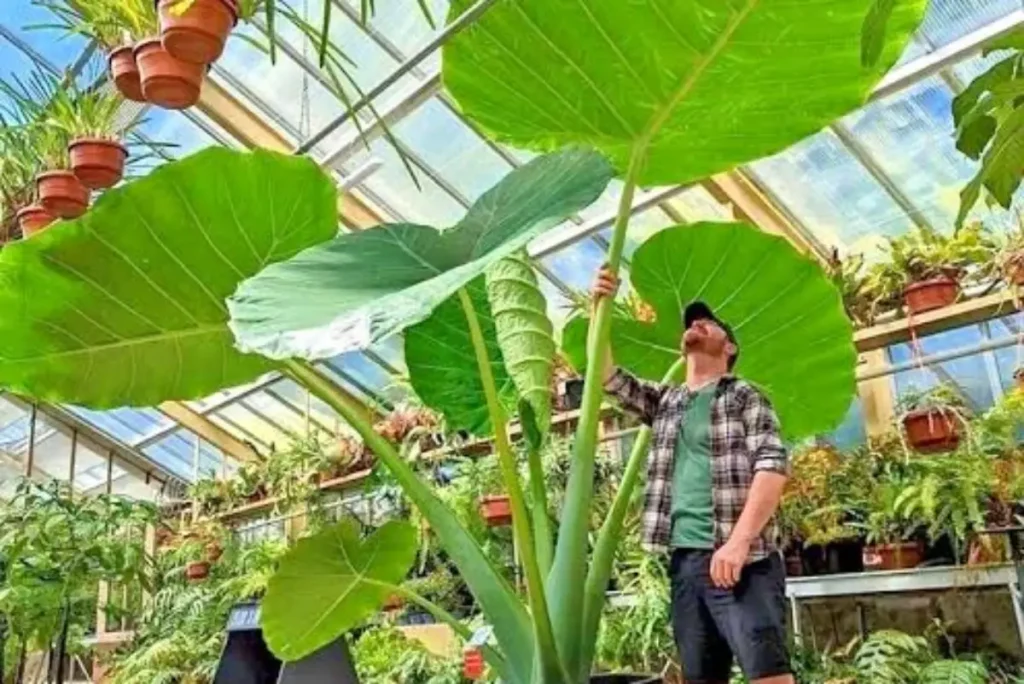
(31, 442)
(876, 395)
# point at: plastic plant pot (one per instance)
(166, 81)
(496, 510)
(34, 218)
(124, 72)
(198, 34)
(932, 430)
(62, 194)
(931, 294)
(97, 162)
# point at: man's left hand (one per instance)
(727, 563)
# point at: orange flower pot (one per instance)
(927, 295)
(98, 163)
(62, 194)
(197, 571)
(167, 82)
(902, 556)
(496, 510)
(932, 430)
(196, 35)
(33, 219)
(124, 72)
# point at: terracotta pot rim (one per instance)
(92, 140)
(896, 545)
(931, 282)
(119, 50)
(56, 173)
(495, 497)
(32, 209)
(918, 413)
(147, 42)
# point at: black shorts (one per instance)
(712, 626)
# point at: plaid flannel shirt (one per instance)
(744, 440)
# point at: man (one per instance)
(715, 477)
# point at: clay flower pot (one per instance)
(33, 219)
(62, 194)
(167, 82)
(197, 571)
(98, 163)
(124, 72)
(393, 602)
(198, 34)
(932, 430)
(1013, 267)
(902, 556)
(927, 295)
(496, 510)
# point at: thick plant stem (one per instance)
(547, 651)
(565, 584)
(542, 534)
(511, 621)
(610, 534)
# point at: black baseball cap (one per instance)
(699, 311)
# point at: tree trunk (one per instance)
(62, 641)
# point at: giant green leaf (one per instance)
(125, 305)
(443, 368)
(329, 583)
(703, 84)
(364, 286)
(795, 342)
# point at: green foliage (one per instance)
(442, 367)
(337, 296)
(589, 81)
(124, 306)
(944, 396)
(383, 655)
(989, 119)
(524, 332)
(304, 612)
(179, 634)
(799, 336)
(924, 253)
(57, 546)
(108, 22)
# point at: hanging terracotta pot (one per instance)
(393, 602)
(901, 556)
(98, 163)
(197, 571)
(33, 219)
(124, 72)
(496, 510)
(932, 430)
(62, 194)
(197, 32)
(930, 294)
(1013, 268)
(167, 82)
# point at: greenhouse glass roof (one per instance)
(876, 173)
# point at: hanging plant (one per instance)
(196, 31)
(933, 420)
(496, 510)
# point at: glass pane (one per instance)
(851, 432)
(124, 424)
(58, 49)
(825, 186)
(51, 452)
(969, 373)
(948, 20)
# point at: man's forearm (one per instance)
(762, 501)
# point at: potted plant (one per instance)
(196, 31)
(925, 268)
(933, 419)
(19, 164)
(91, 119)
(1009, 260)
(251, 482)
(887, 530)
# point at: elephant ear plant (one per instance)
(128, 301)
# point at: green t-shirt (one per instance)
(692, 506)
